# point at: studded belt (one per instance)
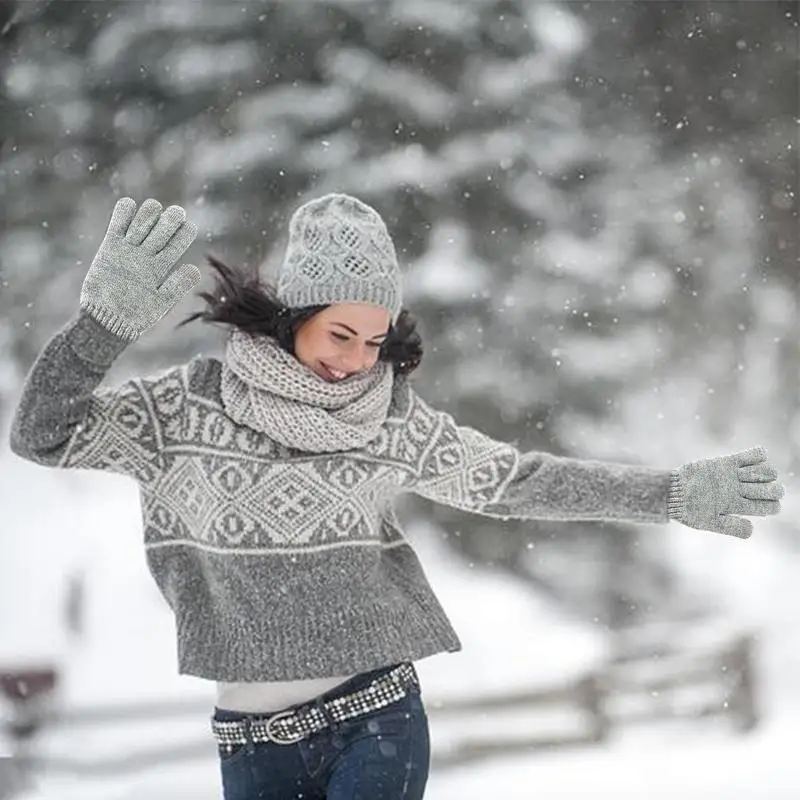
(296, 724)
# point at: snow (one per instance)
(502, 83)
(686, 765)
(411, 93)
(203, 66)
(445, 18)
(410, 165)
(557, 28)
(561, 253)
(114, 41)
(240, 153)
(630, 353)
(304, 105)
(448, 271)
(23, 250)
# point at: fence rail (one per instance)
(638, 685)
(647, 682)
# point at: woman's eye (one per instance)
(340, 336)
(375, 345)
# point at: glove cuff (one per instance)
(675, 499)
(110, 322)
(93, 343)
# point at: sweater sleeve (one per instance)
(464, 468)
(63, 420)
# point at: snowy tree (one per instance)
(718, 83)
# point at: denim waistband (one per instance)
(355, 683)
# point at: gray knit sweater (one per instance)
(280, 564)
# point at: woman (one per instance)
(267, 479)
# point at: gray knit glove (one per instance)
(706, 494)
(133, 281)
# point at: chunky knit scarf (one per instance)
(269, 390)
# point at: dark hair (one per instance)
(246, 302)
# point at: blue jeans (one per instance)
(382, 755)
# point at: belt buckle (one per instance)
(272, 737)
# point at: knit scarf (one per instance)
(269, 390)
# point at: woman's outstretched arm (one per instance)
(464, 468)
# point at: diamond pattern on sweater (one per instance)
(188, 492)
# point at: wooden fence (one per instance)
(640, 684)
(643, 682)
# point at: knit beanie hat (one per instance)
(339, 251)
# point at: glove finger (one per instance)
(169, 222)
(754, 508)
(768, 507)
(762, 491)
(178, 245)
(146, 217)
(736, 526)
(752, 456)
(180, 281)
(122, 216)
(755, 473)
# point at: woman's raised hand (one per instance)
(134, 279)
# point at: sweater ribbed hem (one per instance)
(316, 646)
(276, 618)
(675, 499)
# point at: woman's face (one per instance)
(342, 339)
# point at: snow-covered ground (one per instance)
(57, 523)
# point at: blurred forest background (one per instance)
(593, 202)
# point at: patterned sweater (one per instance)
(279, 564)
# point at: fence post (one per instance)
(591, 691)
(14, 779)
(29, 693)
(742, 705)
(26, 696)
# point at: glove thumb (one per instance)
(737, 526)
(180, 281)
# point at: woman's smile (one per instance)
(331, 374)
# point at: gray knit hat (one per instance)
(339, 251)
